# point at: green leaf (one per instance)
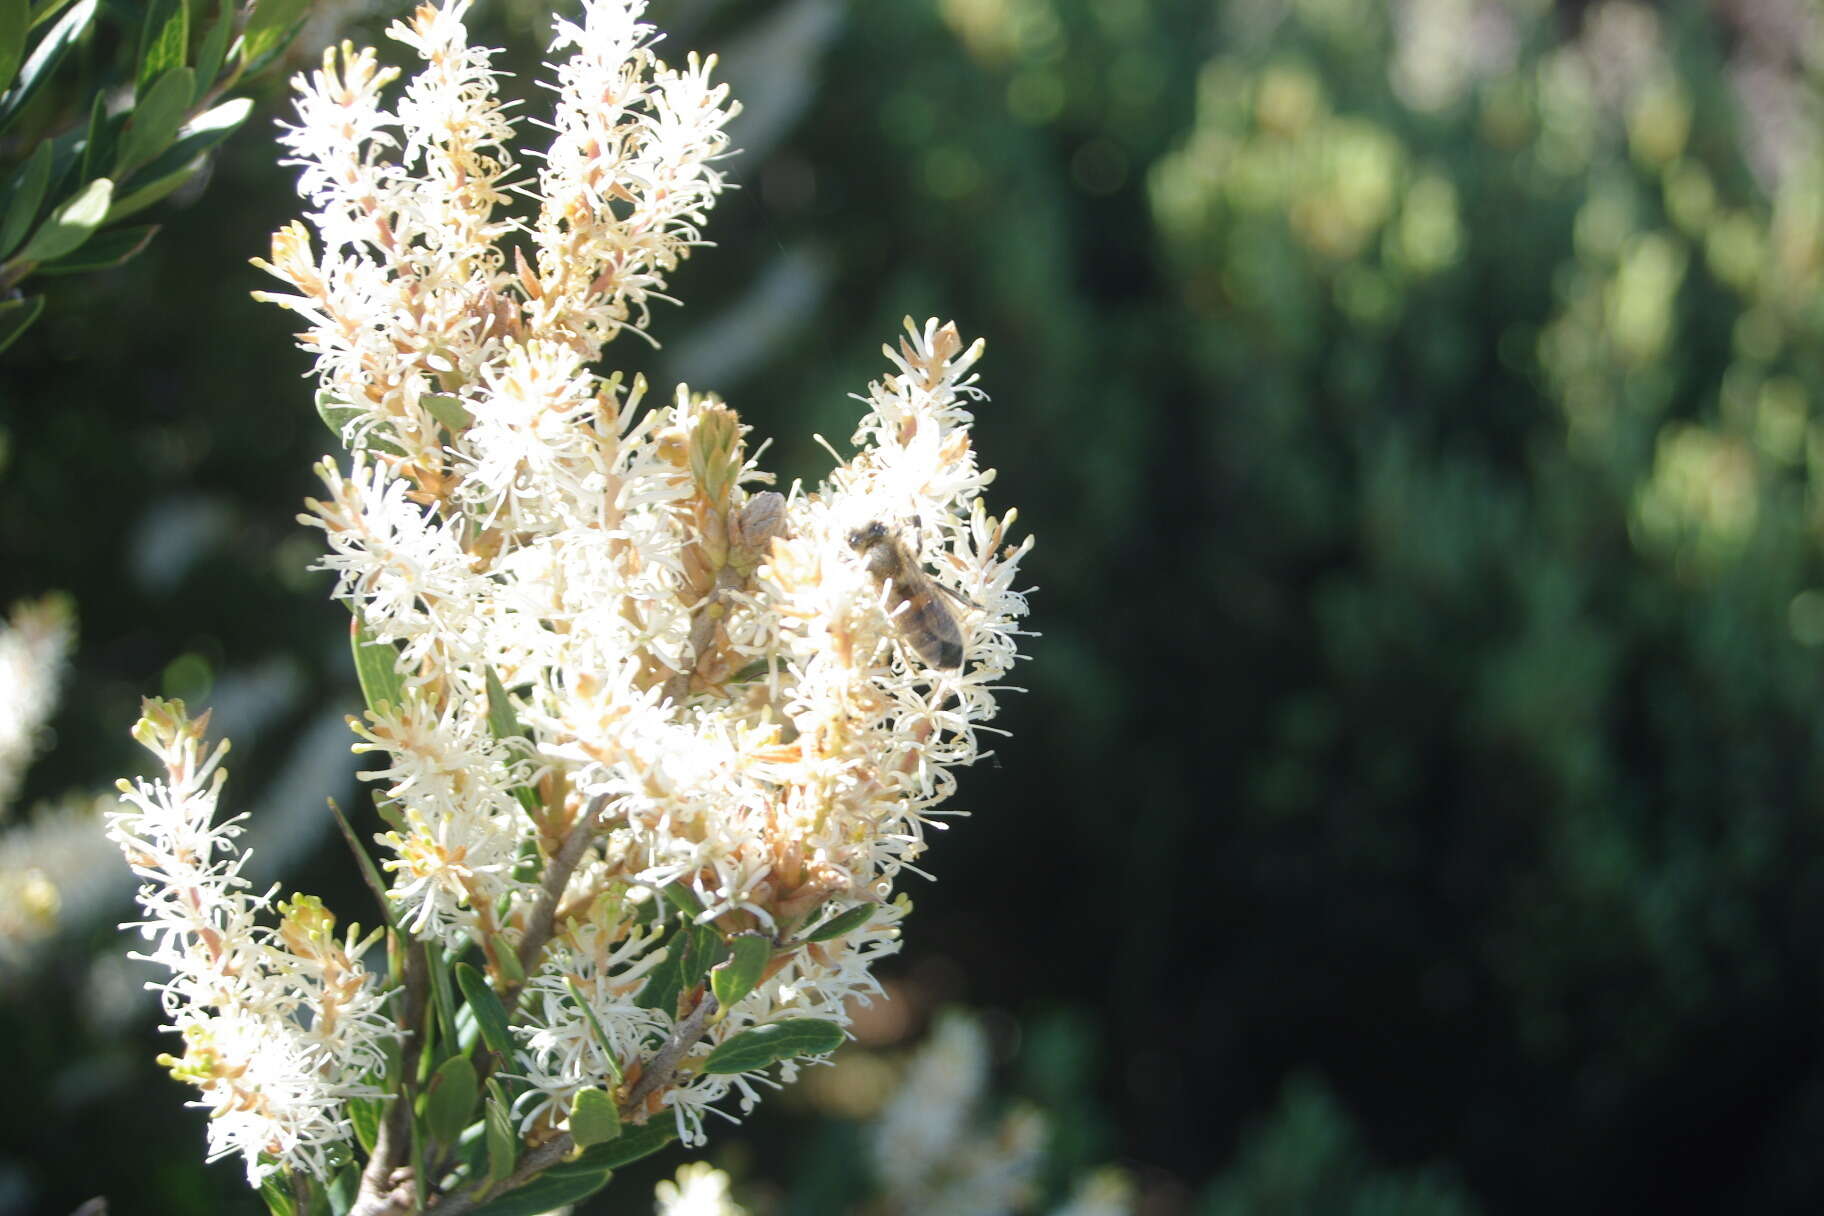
(339, 1195)
(164, 42)
(843, 922)
(277, 1195)
(449, 1098)
(151, 192)
(490, 1014)
(16, 316)
(104, 251)
(44, 59)
(595, 1028)
(269, 28)
(497, 1127)
(764, 1045)
(507, 959)
(662, 985)
(735, 978)
(593, 1118)
(631, 1145)
(683, 899)
(196, 137)
(364, 1114)
(15, 20)
(376, 667)
(26, 193)
(71, 224)
(369, 871)
(555, 1188)
(449, 411)
(502, 720)
(704, 949)
(156, 119)
(98, 140)
(214, 49)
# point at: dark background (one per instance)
(1416, 805)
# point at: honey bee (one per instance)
(913, 602)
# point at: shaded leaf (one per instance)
(843, 922)
(104, 250)
(490, 1014)
(764, 1045)
(156, 119)
(631, 1145)
(214, 48)
(27, 193)
(44, 59)
(549, 1190)
(15, 20)
(449, 1098)
(16, 316)
(497, 1128)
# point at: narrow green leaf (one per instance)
(163, 44)
(47, 10)
(593, 1118)
(595, 1029)
(490, 1014)
(449, 411)
(44, 59)
(503, 721)
(497, 1127)
(104, 251)
(269, 29)
(71, 224)
(364, 1114)
(449, 1098)
(683, 899)
(443, 992)
(16, 316)
(214, 47)
(555, 1188)
(277, 1194)
(151, 192)
(369, 871)
(507, 959)
(196, 137)
(156, 119)
(339, 1195)
(98, 141)
(736, 977)
(376, 667)
(26, 193)
(764, 1045)
(631, 1145)
(15, 20)
(705, 948)
(843, 922)
(662, 987)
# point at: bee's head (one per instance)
(867, 536)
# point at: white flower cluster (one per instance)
(34, 644)
(280, 1025)
(617, 667)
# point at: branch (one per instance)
(557, 876)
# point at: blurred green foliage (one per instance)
(1414, 405)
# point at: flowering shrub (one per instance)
(656, 744)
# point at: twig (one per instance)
(543, 921)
